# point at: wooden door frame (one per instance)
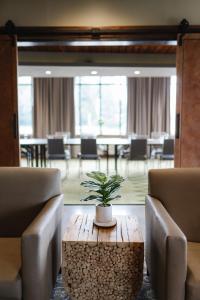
(133, 35)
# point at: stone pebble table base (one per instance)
(102, 263)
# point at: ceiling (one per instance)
(71, 71)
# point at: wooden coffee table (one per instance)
(102, 263)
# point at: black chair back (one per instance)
(138, 149)
(88, 147)
(168, 147)
(56, 148)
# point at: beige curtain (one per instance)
(148, 105)
(53, 106)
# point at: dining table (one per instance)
(38, 147)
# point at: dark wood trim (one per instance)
(134, 33)
(113, 33)
(129, 39)
(36, 33)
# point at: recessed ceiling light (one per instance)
(137, 72)
(48, 72)
(94, 72)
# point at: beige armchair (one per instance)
(173, 233)
(30, 232)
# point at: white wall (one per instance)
(98, 12)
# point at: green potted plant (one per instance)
(104, 190)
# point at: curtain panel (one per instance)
(148, 105)
(53, 106)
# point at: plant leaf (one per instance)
(117, 178)
(114, 189)
(99, 176)
(112, 198)
(91, 184)
(91, 197)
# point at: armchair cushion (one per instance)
(10, 265)
(178, 190)
(166, 249)
(193, 272)
(23, 193)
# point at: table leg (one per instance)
(41, 156)
(149, 150)
(116, 156)
(107, 158)
(32, 155)
(36, 155)
(45, 158)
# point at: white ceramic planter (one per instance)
(103, 213)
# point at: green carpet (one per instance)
(133, 190)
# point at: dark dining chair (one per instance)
(168, 150)
(156, 150)
(88, 151)
(57, 151)
(138, 151)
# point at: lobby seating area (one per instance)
(31, 240)
(100, 150)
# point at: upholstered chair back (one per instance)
(179, 191)
(23, 192)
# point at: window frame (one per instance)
(30, 84)
(78, 82)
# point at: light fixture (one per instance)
(137, 72)
(94, 72)
(48, 72)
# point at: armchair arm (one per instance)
(166, 252)
(41, 251)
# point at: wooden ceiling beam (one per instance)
(126, 39)
(162, 34)
(145, 33)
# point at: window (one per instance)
(25, 105)
(101, 105)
